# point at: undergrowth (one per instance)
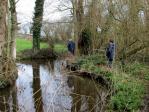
(127, 83)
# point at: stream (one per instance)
(45, 87)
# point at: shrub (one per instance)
(84, 43)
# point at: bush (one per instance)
(84, 43)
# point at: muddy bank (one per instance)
(99, 78)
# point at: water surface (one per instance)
(46, 87)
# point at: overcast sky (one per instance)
(25, 10)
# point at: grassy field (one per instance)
(23, 44)
(60, 48)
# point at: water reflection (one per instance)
(36, 87)
(25, 89)
(85, 95)
(42, 87)
(8, 102)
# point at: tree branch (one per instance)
(17, 1)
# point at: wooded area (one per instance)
(92, 25)
(124, 21)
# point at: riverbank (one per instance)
(127, 84)
(126, 87)
(127, 90)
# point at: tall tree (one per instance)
(79, 13)
(37, 24)
(3, 27)
(8, 68)
(13, 28)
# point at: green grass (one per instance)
(60, 48)
(128, 92)
(23, 44)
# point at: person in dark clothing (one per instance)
(110, 52)
(71, 46)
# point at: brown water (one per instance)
(45, 87)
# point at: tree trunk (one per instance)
(79, 21)
(3, 27)
(79, 14)
(13, 28)
(37, 24)
(74, 4)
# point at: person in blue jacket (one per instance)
(71, 46)
(110, 52)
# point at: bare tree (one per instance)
(7, 68)
(13, 28)
(48, 30)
